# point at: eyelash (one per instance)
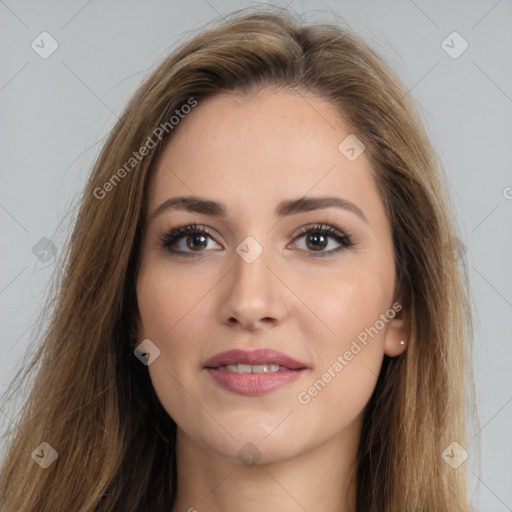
(168, 239)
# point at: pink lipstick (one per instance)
(253, 373)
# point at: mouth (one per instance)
(253, 373)
(261, 360)
(253, 368)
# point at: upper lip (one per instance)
(260, 356)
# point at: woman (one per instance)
(263, 306)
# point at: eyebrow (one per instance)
(284, 208)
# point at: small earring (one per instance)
(402, 342)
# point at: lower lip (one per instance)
(253, 384)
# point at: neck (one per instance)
(318, 479)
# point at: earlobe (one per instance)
(397, 335)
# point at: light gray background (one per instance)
(56, 113)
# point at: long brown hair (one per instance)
(92, 401)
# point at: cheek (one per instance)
(175, 322)
(349, 346)
(168, 299)
(344, 306)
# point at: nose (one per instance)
(253, 297)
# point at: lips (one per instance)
(255, 357)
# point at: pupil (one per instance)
(194, 239)
(316, 239)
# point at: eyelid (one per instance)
(341, 236)
(175, 233)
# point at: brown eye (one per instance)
(317, 239)
(196, 241)
(194, 236)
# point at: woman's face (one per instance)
(256, 280)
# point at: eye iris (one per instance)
(317, 237)
(194, 238)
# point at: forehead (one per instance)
(249, 151)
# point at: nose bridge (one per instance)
(250, 273)
(252, 291)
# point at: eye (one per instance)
(196, 237)
(317, 238)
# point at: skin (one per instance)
(251, 152)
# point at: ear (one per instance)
(397, 333)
